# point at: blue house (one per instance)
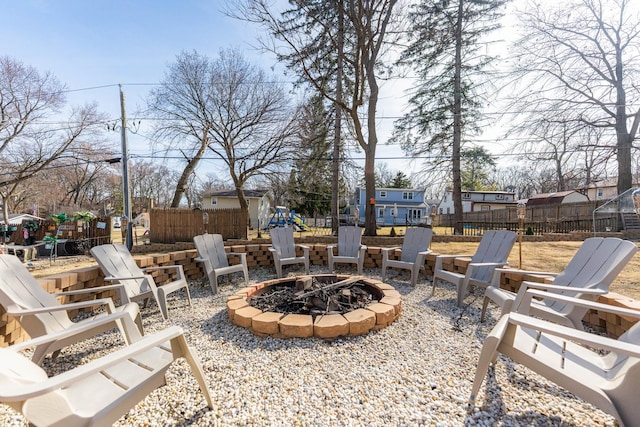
(397, 206)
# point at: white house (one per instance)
(260, 204)
(476, 201)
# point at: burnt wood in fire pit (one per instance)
(308, 295)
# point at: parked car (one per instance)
(116, 223)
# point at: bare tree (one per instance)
(581, 56)
(226, 107)
(28, 146)
(320, 40)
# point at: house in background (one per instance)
(260, 204)
(477, 201)
(561, 197)
(606, 188)
(396, 206)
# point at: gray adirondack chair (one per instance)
(216, 260)
(415, 247)
(350, 248)
(99, 392)
(40, 312)
(133, 282)
(283, 249)
(600, 370)
(492, 252)
(589, 273)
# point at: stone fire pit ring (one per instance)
(374, 316)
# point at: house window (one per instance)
(214, 201)
(485, 208)
(414, 214)
(600, 192)
(407, 195)
(248, 202)
(466, 195)
(441, 211)
(383, 194)
(380, 212)
(499, 196)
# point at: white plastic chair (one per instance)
(216, 260)
(40, 313)
(133, 282)
(283, 248)
(99, 392)
(492, 252)
(600, 370)
(589, 273)
(350, 249)
(415, 247)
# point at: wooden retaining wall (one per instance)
(258, 256)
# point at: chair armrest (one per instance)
(69, 377)
(486, 264)
(425, 253)
(454, 256)
(59, 335)
(303, 247)
(14, 310)
(331, 246)
(95, 289)
(110, 278)
(495, 279)
(574, 335)
(272, 249)
(593, 305)
(526, 286)
(164, 267)
(240, 254)
(390, 249)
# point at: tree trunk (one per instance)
(181, 185)
(457, 128)
(337, 131)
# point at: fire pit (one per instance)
(324, 306)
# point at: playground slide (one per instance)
(300, 223)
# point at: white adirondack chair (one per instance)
(99, 392)
(283, 249)
(350, 249)
(415, 247)
(133, 282)
(492, 252)
(216, 260)
(40, 313)
(589, 273)
(571, 358)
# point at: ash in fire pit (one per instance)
(312, 296)
(325, 306)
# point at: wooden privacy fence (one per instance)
(181, 225)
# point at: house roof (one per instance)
(550, 198)
(233, 193)
(16, 219)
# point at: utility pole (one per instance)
(126, 195)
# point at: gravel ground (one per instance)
(418, 371)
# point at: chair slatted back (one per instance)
(18, 287)
(349, 240)
(211, 247)
(115, 260)
(595, 265)
(495, 247)
(416, 240)
(282, 241)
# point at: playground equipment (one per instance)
(283, 217)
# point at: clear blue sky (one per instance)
(92, 43)
(87, 44)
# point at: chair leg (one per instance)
(485, 303)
